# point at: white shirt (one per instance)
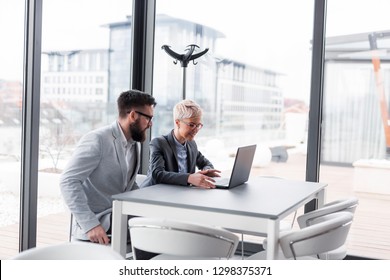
(130, 154)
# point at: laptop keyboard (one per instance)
(221, 181)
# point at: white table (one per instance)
(255, 208)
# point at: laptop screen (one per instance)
(242, 166)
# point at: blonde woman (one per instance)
(174, 158)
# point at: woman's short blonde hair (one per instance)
(186, 109)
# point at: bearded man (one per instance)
(104, 163)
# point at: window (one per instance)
(356, 134)
(74, 48)
(11, 91)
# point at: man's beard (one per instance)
(137, 133)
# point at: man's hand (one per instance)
(201, 181)
(98, 235)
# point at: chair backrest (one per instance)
(345, 205)
(70, 251)
(325, 234)
(184, 240)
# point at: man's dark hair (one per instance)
(132, 99)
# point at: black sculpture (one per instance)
(184, 59)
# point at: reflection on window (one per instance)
(246, 85)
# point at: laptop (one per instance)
(241, 168)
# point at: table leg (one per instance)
(273, 239)
(119, 229)
(321, 198)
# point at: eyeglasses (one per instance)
(193, 125)
(148, 117)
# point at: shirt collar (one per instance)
(123, 137)
(177, 141)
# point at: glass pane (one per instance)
(356, 128)
(85, 65)
(11, 91)
(253, 83)
(247, 83)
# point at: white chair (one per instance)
(70, 251)
(325, 234)
(178, 240)
(305, 220)
(347, 204)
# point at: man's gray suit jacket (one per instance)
(163, 164)
(96, 171)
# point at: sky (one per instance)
(270, 39)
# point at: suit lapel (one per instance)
(137, 159)
(190, 156)
(172, 144)
(120, 152)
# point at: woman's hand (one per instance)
(200, 180)
(210, 172)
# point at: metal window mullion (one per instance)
(316, 97)
(30, 125)
(142, 44)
